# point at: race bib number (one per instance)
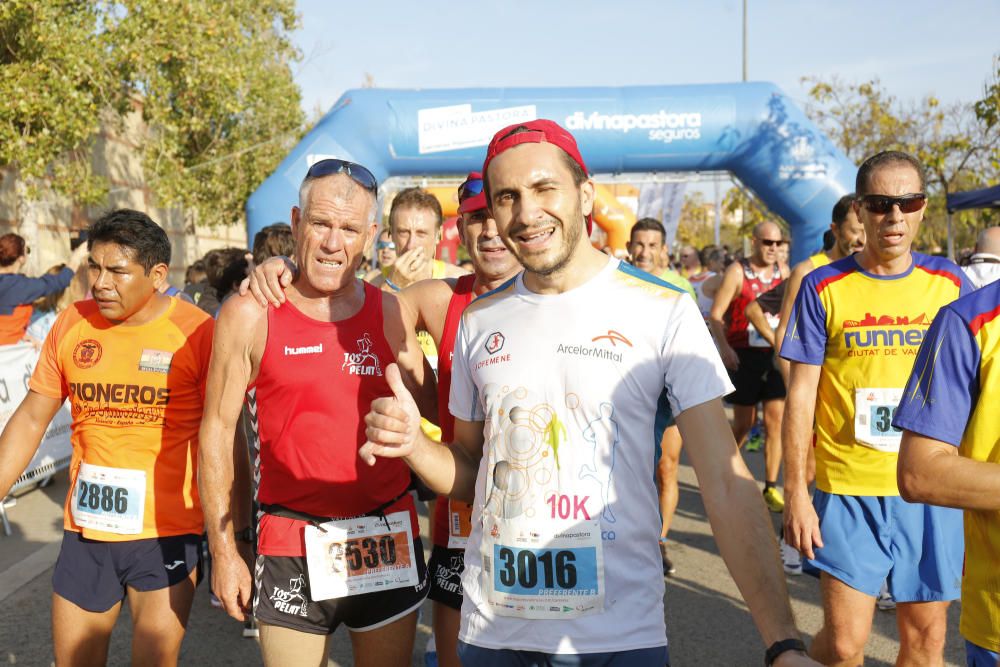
(754, 339)
(363, 555)
(109, 499)
(459, 524)
(874, 410)
(533, 571)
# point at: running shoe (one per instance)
(885, 600)
(791, 559)
(668, 565)
(755, 440)
(774, 500)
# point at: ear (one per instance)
(588, 192)
(460, 223)
(371, 235)
(159, 274)
(296, 218)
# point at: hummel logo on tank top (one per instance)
(307, 349)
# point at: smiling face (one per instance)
(889, 236)
(849, 235)
(491, 260)
(123, 290)
(331, 234)
(647, 250)
(538, 208)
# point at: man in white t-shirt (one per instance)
(554, 389)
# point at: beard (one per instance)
(548, 264)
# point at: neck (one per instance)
(482, 285)
(333, 306)
(759, 265)
(156, 306)
(584, 263)
(883, 266)
(13, 268)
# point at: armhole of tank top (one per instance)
(263, 355)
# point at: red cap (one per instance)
(470, 193)
(539, 131)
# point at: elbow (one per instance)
(914, 487)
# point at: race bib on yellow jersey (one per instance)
(348, 557)
(109, 499)
(874, 409)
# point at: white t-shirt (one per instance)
(567, 386)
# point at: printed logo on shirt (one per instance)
(592, 351)
(155, 361)
(87, 353)
(884, 331)
(612, 337)
(494, 343)
(292, 601)
(364, 361)
(305, 349)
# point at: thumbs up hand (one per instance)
(393, 424)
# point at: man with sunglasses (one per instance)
(854, 333)
(385, 255)
(554, 390)
(337, 542)
(746, 352)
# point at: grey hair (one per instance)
(307, 186)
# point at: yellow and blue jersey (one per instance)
(864, 330)
(952, 396)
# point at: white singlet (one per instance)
(567, 386)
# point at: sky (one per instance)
(915, 48)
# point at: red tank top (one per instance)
(461, 298)
(736, 319)
(316, 384)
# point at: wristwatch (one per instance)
(245, 535)
(782, 646)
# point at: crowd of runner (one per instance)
(296, 401)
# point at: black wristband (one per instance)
(783, 646)
(245, 535)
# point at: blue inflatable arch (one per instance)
(752, 130)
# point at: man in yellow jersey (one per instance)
(949, 454)
(849, 238)
(648, 250)
(853, 335)
(415, 225)
(690, 259)
(130, 361)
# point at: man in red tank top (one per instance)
(747, 354)
(338, 542)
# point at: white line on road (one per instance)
(21, 574)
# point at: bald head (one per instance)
(989, 241)
(766, 229)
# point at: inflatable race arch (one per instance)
(751, 129)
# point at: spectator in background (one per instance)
(706, 283)
(385, 253)
(273, 241)
(984, 265)
(691, 264)
(50, 305)
(226, 268)
(17, 291)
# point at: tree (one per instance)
(952, 142)
(211, 80)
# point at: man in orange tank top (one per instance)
(337, 542)
(131, 361)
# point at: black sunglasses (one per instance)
(770, 242)
(357, 172)
(882, 204)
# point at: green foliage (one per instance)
(211, 80)
(954, 144)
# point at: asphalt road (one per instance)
(707, 621)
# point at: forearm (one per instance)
(796, 438)
(945, 478)
(216, 484)
(748, 546)
(718, 331)
(445, 468)
(18, 444)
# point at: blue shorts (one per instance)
(490, 657)
(917, 548)
(95, 575)
(977, 656)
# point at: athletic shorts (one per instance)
(977, 656)
(281, 597)
(491, 657)
(757, 378)
(95, 575)
(446, 569)
(866, 539)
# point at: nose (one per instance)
(102, 281)
(527, 209)
(333, 241)
(489, 230)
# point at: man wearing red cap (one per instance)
(555, 382)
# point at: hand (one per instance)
(410, 267)
(729, 358)
(801, 524)
(393, 425)
(76, 259)
(231, 584)
(267, 282)
(794, 659)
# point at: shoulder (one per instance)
(240, 313)
(453, 271)
(485, 301)
(820, 279)
(632, 278)
(939, 266)
(978, 308)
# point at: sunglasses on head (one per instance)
(882, 204)
(470, 188)
(770, 243)
(357, 172)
